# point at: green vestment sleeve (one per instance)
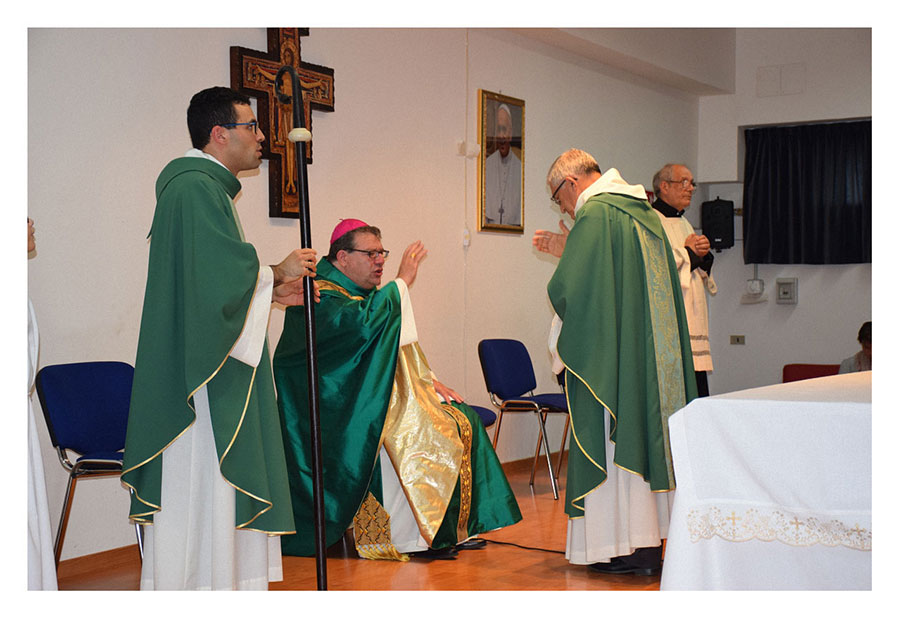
(624, 342)
(200, 283)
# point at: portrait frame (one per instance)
(501, 177)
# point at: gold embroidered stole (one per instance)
(372, 532)
(423, 442)
(666, 339)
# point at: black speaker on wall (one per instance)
(717, 220)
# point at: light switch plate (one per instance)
(786, 290)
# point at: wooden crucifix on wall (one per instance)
(253, 73)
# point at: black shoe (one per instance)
(471, 544)
(620, 567)
(435, 553)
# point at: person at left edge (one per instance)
(203, 451)
(407, 464)
(41, 563)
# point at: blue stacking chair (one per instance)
(86, 409)
(509, 378)
(488, 417)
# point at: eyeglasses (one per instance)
(553, 197)
(373, 253)
(252, 125)
(684, 183)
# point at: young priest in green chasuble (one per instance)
(377, 392)
(204, 453)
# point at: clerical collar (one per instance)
(326, 270)
(666, 209)
(196, 152)
(610, 182)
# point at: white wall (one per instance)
(784, 75)
(823, 74)
(106, 112)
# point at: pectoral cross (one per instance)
(253, 73)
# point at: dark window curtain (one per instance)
(808, 194)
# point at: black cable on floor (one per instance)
(491, 541)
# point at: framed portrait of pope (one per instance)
(501, 164)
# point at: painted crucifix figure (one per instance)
(253, 73)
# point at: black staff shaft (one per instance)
(309, 305)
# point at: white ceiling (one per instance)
(698, 61)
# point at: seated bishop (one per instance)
(406, 464)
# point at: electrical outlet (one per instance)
(737, 339)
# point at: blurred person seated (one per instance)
(861, 361)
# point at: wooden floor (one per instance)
(535, 563)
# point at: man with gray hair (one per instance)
(621, 336)
(674, 187)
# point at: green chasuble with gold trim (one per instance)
(200, 282)
(624, 342)
(374, 393)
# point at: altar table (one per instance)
(773, 488)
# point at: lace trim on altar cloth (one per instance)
(775, 525)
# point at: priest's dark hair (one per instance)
(346, 241)
(211, 107)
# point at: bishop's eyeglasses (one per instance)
(372, 253)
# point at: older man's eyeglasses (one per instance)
(373, 253)
(251, 125)
(685, 183)
(553, 197)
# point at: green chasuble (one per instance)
(624, 342)
(367, 384)
(200, 283)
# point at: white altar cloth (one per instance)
(773, 488)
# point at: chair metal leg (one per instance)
(562, 447)
(497, 427)
(64, 518)
(537, 453)
(543, 437)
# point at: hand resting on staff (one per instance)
(291, 293)
(298, 263)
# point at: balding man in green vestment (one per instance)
(621, 334)
(407, 465)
